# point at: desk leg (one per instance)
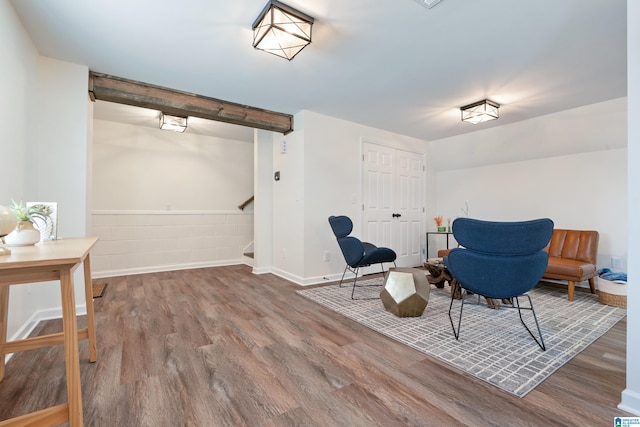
(71, 357)
(4, 316)
(91, 323)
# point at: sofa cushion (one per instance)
(569, 269)
(581, 245)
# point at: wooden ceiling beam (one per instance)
(115, 89)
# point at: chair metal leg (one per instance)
(456, 333)
(540, 342)
(535, 318)
(343, 273)
(382, 268)
(353, 290)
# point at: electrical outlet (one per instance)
(327, 256)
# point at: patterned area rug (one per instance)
(493, 345)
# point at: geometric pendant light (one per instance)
(281, 30)
(174, 123)
(481, 111)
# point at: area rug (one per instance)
(493, 345)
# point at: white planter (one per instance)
(612, 293)
(25, 234)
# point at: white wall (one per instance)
(263, 204)
(18, 87)
(589, 128)
(143, 168)
(57, 172)
(320, 176)
(594, 198)
(289, 201)
(166, 200)
(631, 395)
(45, 103)
(583, 190)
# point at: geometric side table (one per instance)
(406, 292)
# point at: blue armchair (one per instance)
(357, 253)
(499, 260)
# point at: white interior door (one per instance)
(408, 203)
(393, 201)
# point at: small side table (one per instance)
(446, 233)
(52, 260)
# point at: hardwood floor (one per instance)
(224, 347)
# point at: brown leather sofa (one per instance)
(572, 257)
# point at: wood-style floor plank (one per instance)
(224, 347)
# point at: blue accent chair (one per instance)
(500, 260)
(357, 253)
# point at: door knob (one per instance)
(396, 215)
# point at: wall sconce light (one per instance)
(174, 123)
(281, 30)
(481, 111)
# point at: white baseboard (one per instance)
(306, 281)
(160, 268)
(261, 270)
(630, 402)
(47, 314)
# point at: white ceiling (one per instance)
(390, 64)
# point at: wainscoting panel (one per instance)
(134, 242)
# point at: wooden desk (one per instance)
(52, 260)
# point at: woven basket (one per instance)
(612, 293)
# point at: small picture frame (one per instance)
(49, 228)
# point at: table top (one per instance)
(50, 252)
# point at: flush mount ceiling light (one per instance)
(428, 3)
(481, 111)
(174, 123)
(281, 30)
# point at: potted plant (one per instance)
(25, 233)
(439, 223)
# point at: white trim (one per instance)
(261, 270)
(630, 402)
(162, 268)
(158, 212)
(306, 281)
(288, 276)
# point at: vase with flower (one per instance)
(440, 223)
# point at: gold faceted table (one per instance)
(406, 292)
